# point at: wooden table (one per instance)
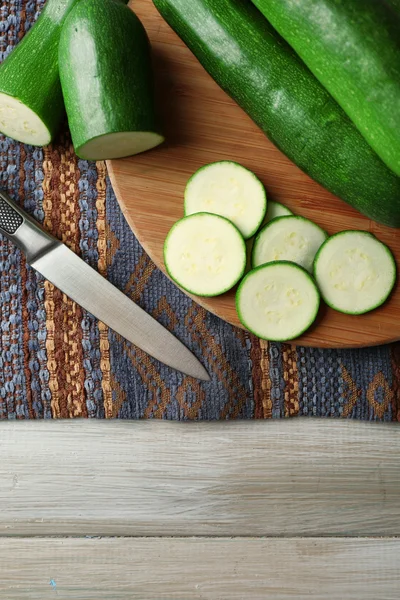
(306, 509)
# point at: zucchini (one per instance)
(293, 239)
(355, 272)
(226, 188)
(31, 102)
(395, 5)
(205, 254)
(107, 81)
(275, 210)
(278, 301)
(253, 64)
(353, 48)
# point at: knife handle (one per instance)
(22, 230)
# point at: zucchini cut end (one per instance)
(119, 145)
(205, 254)
(21, 123)
(278, 301)
(355, 272)
(230, 190)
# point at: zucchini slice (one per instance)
(205, 254)
(275, 210)
(355, 272)
(294, 239)
(278, 301)
(228, 189)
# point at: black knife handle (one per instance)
(22, 230)
(10, 219)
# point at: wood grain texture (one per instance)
(203, 125)
(297, 478)
(201, 569)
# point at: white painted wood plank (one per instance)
(299, 477)
(206, 569)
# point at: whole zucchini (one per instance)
(353, 48)
(258, 69)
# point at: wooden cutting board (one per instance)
(202, 125)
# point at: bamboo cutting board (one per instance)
(202, 124)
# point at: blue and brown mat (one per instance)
(57, 361)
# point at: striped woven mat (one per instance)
(57, 361)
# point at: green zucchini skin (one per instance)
(394, 4)
(259, 70)
(30, 73)
(353, 48)
(106, 72)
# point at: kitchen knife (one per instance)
(89, 289)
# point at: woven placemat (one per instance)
(57, 361)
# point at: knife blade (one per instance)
(89, 289)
